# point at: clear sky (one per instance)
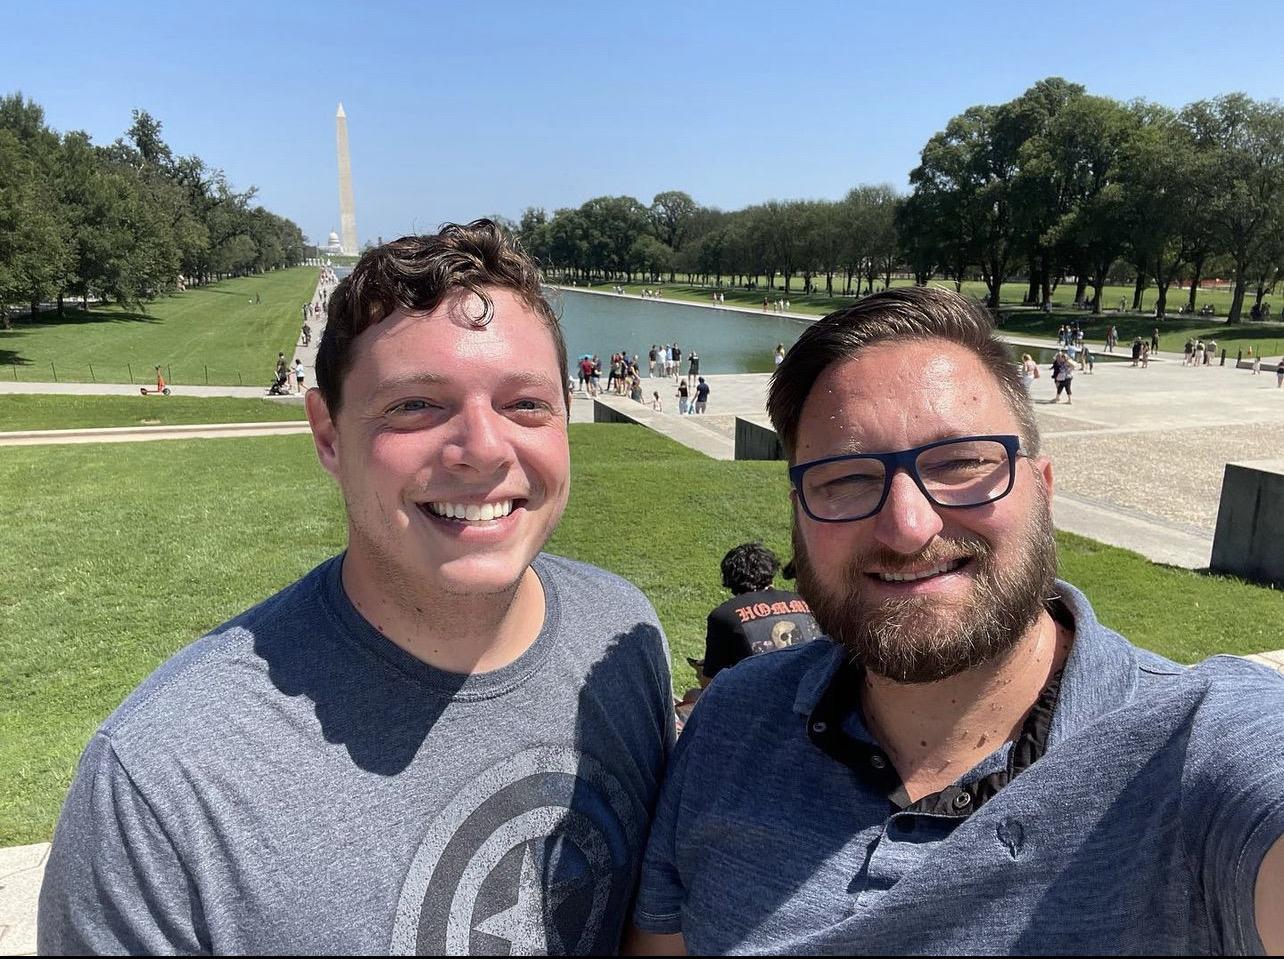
(459, 110)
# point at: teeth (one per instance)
(472, 512)
(911, 577)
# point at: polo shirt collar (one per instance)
(1100, 674)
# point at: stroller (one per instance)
(280, 387)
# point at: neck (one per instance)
(935, 732)
(452, 632)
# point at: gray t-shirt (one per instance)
(1139, 830)
(294, 782)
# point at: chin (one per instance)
(481, 576)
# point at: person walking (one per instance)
(1029, 371)
(702, 396)
(693, 361)
(684, 397)
(300, 376)
(1062, 375)
(1279, 375)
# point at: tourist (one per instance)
(1145, 355)
(1137, 346)
(1029, 372)
(758, 618)
(1279, 374)
(650, 366)
(1210, 352)
(1257, 363)
(779, 356)
(693, 363)
(655, 402)
(1062, 375)
(440, 714)
(299, 385)
(677, 361)
(969, 762)
(635, 389)
(701, 395)
(683, 397)
(1154, 340)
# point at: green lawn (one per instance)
(114, 556)
(26, 411)
(214, 334)
(1173, 331)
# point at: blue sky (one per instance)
(456, 111)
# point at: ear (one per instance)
(1043, 469)
(325, 434)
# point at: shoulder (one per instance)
(771, 684)
(226, 670)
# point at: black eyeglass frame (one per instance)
(907, 460)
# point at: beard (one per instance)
(921, 639)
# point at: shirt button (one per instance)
(819, 727)
(961, 800)
(877, 761)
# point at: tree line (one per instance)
(1054, 185)
(121, 222)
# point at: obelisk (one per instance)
(347, 208)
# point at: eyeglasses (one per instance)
(956, 473)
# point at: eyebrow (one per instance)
(413, 379)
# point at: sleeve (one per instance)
(724, 646)
(114, 882)
(661, 894)
(1233, 796)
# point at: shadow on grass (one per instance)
(13, 358)
(82, 318)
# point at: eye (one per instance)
(410, 406)
(529, 405)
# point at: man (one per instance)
(971, 762)
(701, 395)
(758, 617)
(431, 743)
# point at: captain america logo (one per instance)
(536, 856)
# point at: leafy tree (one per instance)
(1241, 143)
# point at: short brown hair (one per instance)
(417, 273)
(902, 315)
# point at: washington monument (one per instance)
(347, 209)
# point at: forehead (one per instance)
(899, 395)
(448, 342)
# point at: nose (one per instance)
(908, 521)
(479, 441)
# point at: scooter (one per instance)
(161, 388)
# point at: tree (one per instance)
(1241, 145)
(671, 216)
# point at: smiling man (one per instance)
(971, 762)
(442, 741)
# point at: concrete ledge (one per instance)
(756, 439)
(680, 429)
(1249, 541)
(131, 434)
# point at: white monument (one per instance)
(347, 208)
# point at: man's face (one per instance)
(996, 562)
(440, 418)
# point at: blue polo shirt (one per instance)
(1138, 827)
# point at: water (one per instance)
(728, 341)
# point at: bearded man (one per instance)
(970, 762)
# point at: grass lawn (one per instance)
(214, 334)
(28, 411)
(1266, 338)
(114, 556)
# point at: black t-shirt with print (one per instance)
(756, 623)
